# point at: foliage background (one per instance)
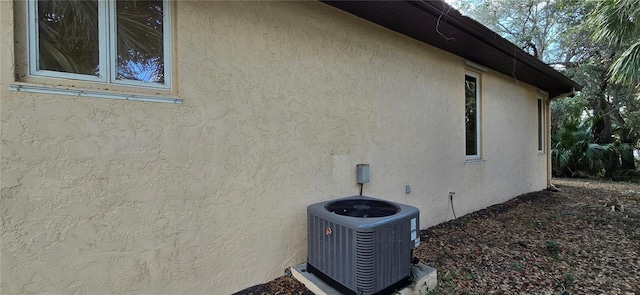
(596, 43)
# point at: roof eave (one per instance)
(435, 23)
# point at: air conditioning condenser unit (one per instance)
(362, 245)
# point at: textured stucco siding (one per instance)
(281, 101)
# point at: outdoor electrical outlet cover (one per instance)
(362, 173)
(408, 189)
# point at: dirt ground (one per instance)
(584, 239)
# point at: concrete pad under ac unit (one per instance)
(426, 278)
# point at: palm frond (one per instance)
(618, 23)
(626, 69)
(616, 20)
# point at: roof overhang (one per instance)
(438, 24)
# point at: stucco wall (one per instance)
(281, 101)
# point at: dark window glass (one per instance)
(540, 126)
(68, 36)
(140, 46)
(471, 115)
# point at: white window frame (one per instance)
(478, 154)
(107, 43)
(541, 125)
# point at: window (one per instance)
(472, 116)
(120, 42)
(540, 126)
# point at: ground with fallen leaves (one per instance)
(584, 239)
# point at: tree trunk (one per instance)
(627, 139)
(602, 126)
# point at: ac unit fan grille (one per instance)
(362, 208)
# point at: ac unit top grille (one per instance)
(378, 214)
(362, 208)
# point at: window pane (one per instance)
(471, 121)
(68, 36)
(140, 52)
(540, 126)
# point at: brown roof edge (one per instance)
(432, 21)
(498, 42)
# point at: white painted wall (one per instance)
(281, 101)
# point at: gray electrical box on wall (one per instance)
(362, 173)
